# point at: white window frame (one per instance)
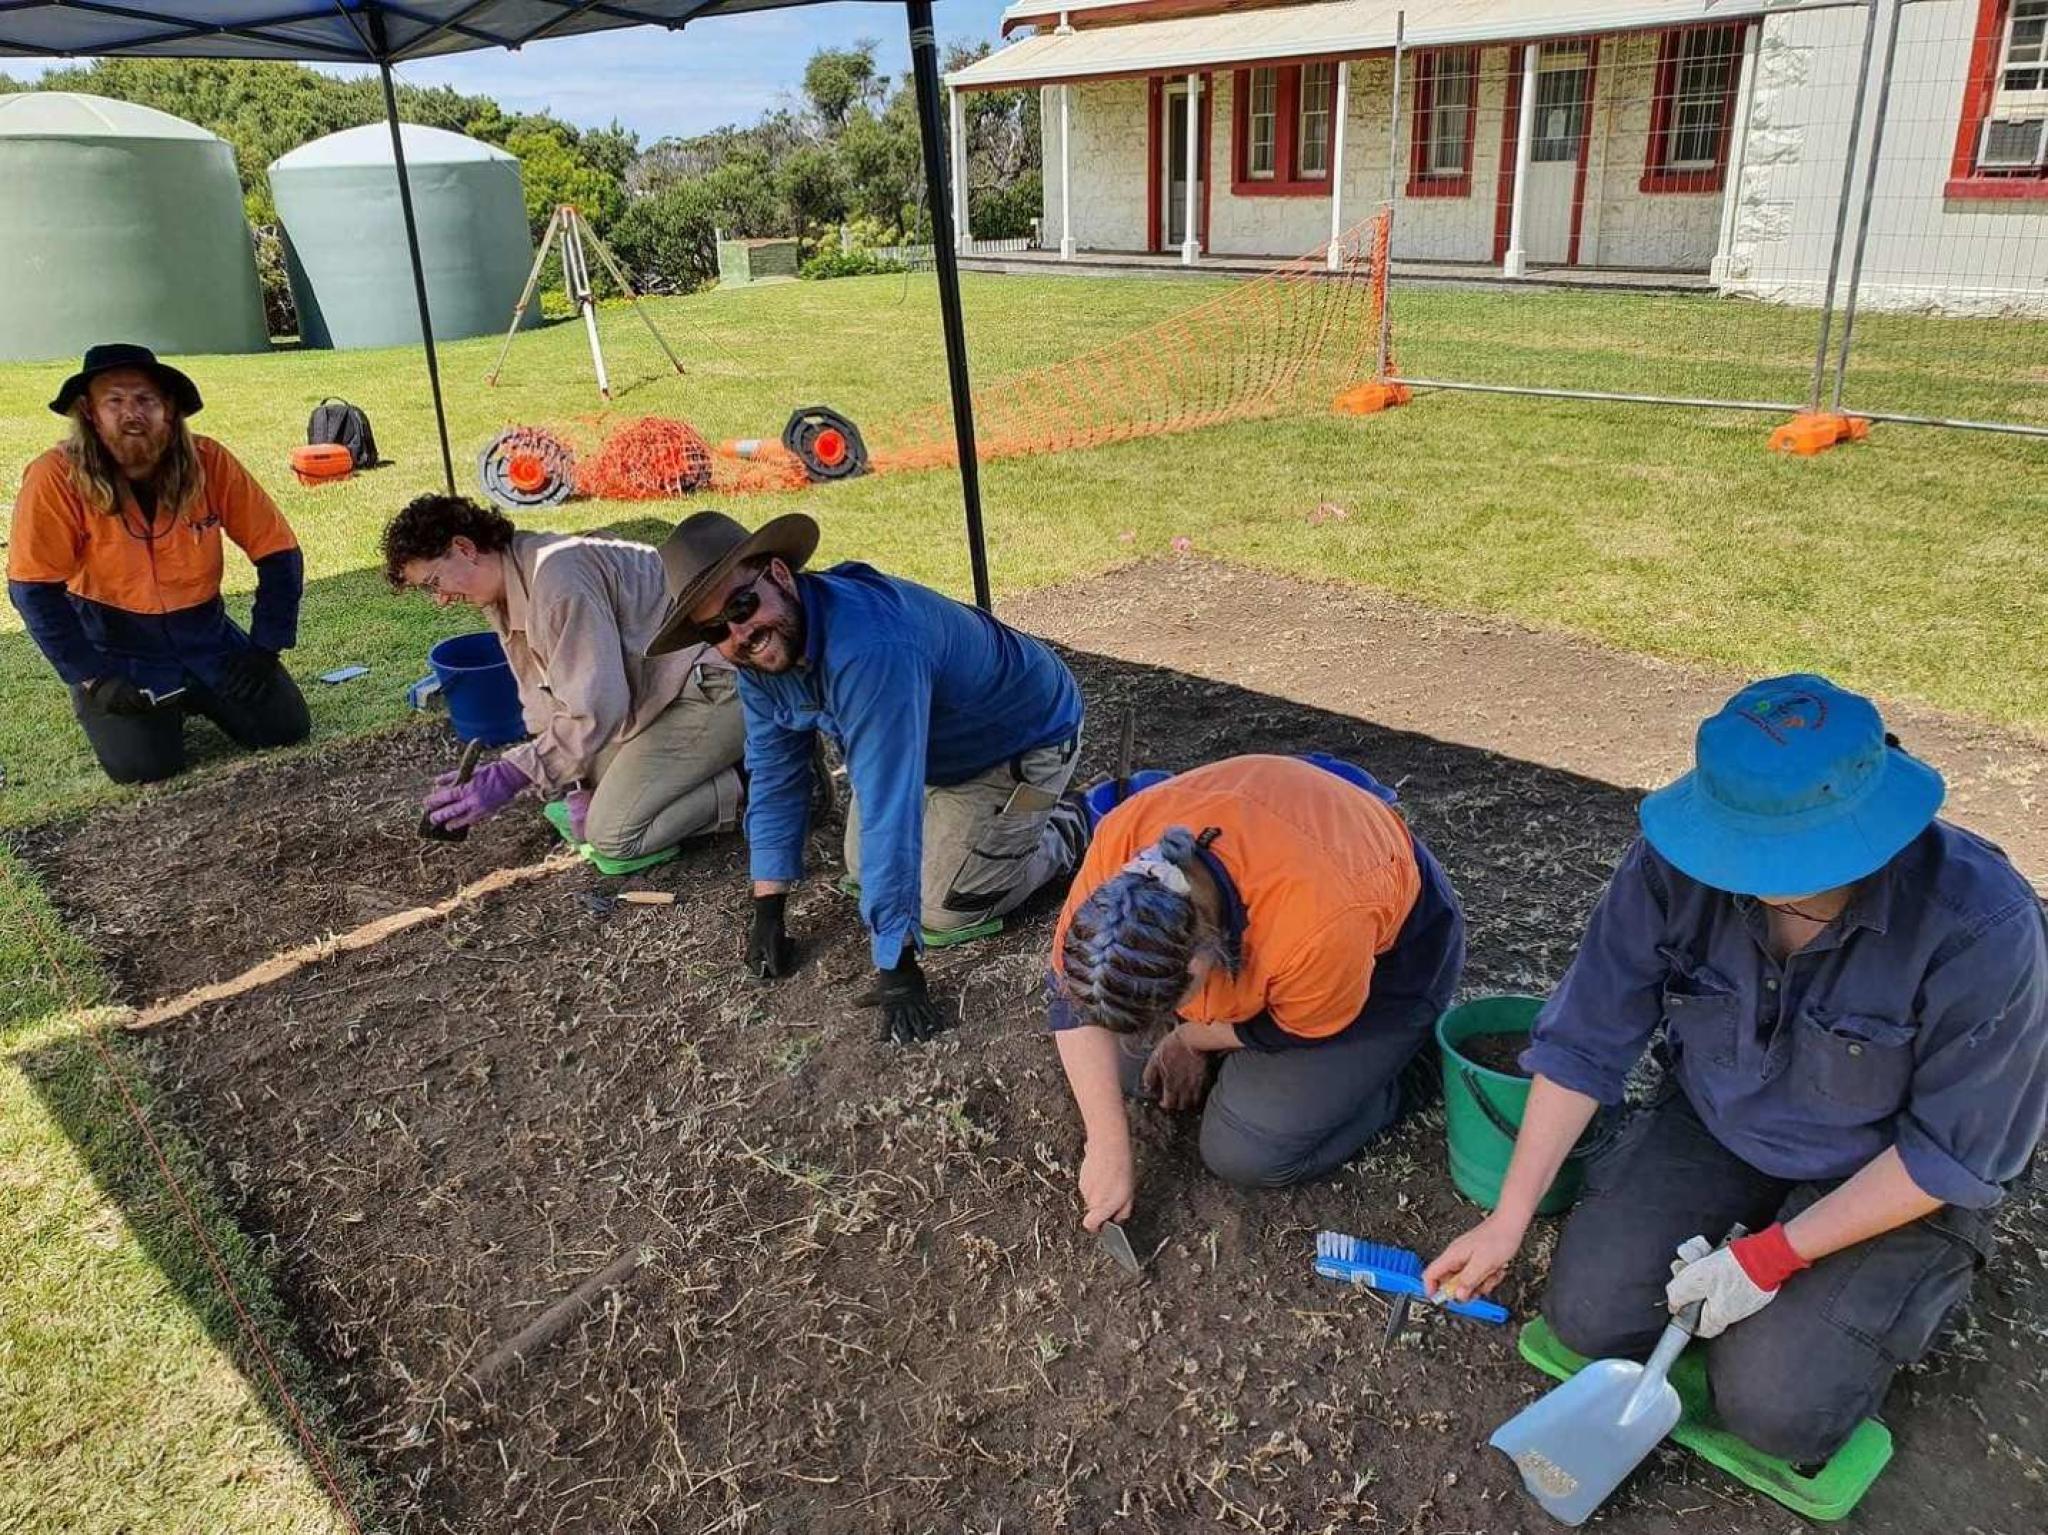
(2026, 101)
(1306, 111)
(1454, 114)
(1269, 115)
(1676, 127)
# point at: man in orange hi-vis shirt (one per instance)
(1270, 913)
(115, 564)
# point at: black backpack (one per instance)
(340, 422)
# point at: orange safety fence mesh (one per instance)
(1291, 340)
(1287, 341)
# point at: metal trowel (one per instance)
(1118, 1246)
(463, 770)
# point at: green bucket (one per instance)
(1483, 1107)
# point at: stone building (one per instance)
(1688, 138)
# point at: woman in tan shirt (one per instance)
(645, 750)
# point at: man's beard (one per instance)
(779, 642)
(139, 453)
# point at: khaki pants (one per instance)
(677, 778)
(982, 855)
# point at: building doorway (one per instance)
(1172, 139)
(1557, 153)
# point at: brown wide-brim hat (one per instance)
(703, 551)
(105, 358)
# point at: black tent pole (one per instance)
(924, 69)
(412, 247)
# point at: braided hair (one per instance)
(1128, 948)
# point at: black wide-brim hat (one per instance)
(703, 551)
(124, 354)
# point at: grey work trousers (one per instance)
(1795, 1378)
(985, 852)
(679, 777)
(1274, 1118)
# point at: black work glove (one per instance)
(245, 675)
(771, 952)
(115, 694)
(905, 1001)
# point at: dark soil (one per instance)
(1496, 1052)
(867, 1304)
(181, 888)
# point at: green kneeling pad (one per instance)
(932, 940)
(1830, 1493)
(557, 812)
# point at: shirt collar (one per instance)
(1870, 906)
(814, 627)
(1233, 907)
(520, 557)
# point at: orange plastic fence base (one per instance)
(1371, 399)
(1812, 432)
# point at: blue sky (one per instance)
(662, 84)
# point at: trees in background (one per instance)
(846, 153)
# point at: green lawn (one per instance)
(1914, 565)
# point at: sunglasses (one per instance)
(739, 607)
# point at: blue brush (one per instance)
(1396, 1270)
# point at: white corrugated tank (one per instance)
(337, 199)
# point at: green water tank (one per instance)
(337, 199)
(123, 223)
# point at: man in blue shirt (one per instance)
(1853, 997)
(960, 737)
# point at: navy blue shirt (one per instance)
(1917, 1019)
(916, 689)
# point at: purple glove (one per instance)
(578, 801)
(495, 786)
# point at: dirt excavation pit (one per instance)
(851, 1291)
(192, 885)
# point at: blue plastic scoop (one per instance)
(1579, 1442)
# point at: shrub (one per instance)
(853, 263)
(280, 311)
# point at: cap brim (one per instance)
(791, 538)
(1792, 855)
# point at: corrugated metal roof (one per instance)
(326, 31)
(75, 115)
(1337, 28)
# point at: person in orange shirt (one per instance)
(115, 565)
(1274, 916)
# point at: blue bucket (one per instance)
(476, 680)
(1351, 772)
(1102, 799)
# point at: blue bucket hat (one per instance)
(1794, 789)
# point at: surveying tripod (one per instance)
(567, 224)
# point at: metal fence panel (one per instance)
(1946, 287)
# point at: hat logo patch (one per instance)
(1779, 716)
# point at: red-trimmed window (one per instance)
(1282, 121)
(1693, 109)
(1446, 102)
(1260, 141)
(1318, 101)
(2002, 142)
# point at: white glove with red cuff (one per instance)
(1732, 1282)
